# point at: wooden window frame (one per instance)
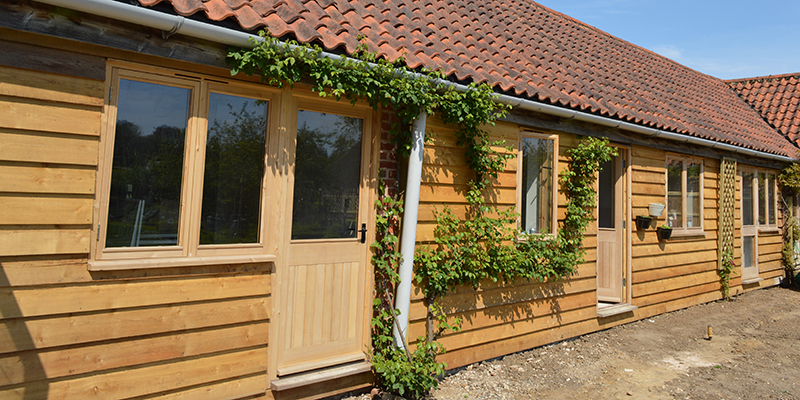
(520, 184)
(685, 160)
(765, 227)
(188, 251)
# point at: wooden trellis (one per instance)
(727, 205)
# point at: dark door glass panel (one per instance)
(747, 198)
(327, 176)
(606, 184)
(234, 170)
(147, 167)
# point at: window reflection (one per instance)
(537, 177)
(147, 167)
(747, 198)
(675, 193)
(694, 194)
(327, 176)
(606, 202)
(234, 170)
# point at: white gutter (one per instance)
(177, 24)
(408, 237)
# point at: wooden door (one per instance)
(749, 227)
(611, 257)
(324, 285)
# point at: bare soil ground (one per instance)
(754, 354)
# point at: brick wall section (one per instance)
(389, 166)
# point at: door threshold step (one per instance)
(751, 281)
(320, 375)
(615, 309)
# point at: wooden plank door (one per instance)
(611, 257)
(324, 286)
(749, 227)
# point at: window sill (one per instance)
(770, 229)
(751, 281)
(116, 265)
(688, 234)
(319, 376)
(616, 309)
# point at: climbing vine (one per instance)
(486, 244)
(789, 179)
(726, 270)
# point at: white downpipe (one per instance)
(177, 24)
(408, 236)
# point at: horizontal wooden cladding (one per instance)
(38, 115)
(509, 297)
(147, 379)
(668, 260)
(72, 268)
(45, 210)
(677, 270)
(49, 148)
(669, 284)
(672, 247)
(253, 387)
(455, 194)
(36, 365)
(33, 240)
(56, 88)
(519, 327)
(41, 179)
(54, 300)
(49, 60)
(42, 333)
(554, 328)
(437, 174)
(514, 314)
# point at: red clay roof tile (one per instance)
(531, 51)
(775, 98)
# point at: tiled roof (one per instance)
(777, 98)
(520, 48)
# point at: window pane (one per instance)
(762, 198)
(147, 167)
(675, 193)
(694, 194)
(537, 177)
(606, 193)
(327, 176)
(771, 199)
(748, 252)
(747, 198)
(234, 170)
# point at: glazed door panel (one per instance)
(324, 286)
(610, 232)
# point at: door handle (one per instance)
(363, 231)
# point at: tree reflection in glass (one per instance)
(327, 176)
(234, 170)
(147, 168)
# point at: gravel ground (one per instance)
(754, 354)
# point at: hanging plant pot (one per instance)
(664, 232)
(643, 222)
(656, 209)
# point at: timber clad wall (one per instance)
(66, 333)
(665, 276)
(202, 332)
